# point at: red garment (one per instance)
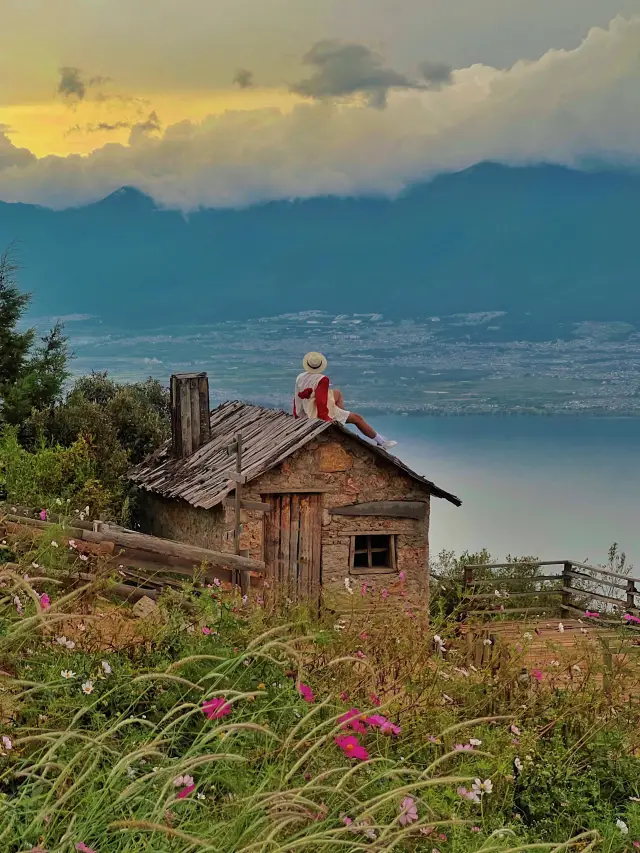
(313, 386)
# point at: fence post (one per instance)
(631, 593)
(566, 585)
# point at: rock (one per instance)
(144, 607)
(332, 458)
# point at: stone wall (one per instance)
(176, 519)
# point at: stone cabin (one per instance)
(318, 502)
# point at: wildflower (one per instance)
(622, 826)
(306, 692)
(54, 544)
(217, 582)
(575, 668)
(591, 614)
(347, 586)
(360, 654)
(439, 643)
(7, 743)
(83, 557)
(474, 741)
(401, 577)
(67, 673)
(375, 700)
(363, 636)
(515, 731)
(183, 781)
(131, 773)
(628, 617)
(34, 565)
(377, 721)
(472, 796)
(434, 739)
(261, 686)
(105, 667)
(245, 599)
(72, 543)
(487, 642)
(364, 589)
(583, 631)
(215, 708)
(43, 515)
(636, 844)
(461, 671)
(352, 720)
(447, 698)
(408, 811)
(68, 644)
(554, 663)
(81, 847)
(344, 696)
(463, 747)
(206, 631)
(527, 636)
(537, 674)
(188, 789)
(339, 626)
(18, 605)
(200, 796)
(385, 594)
(475, 829)
(352, 748)
(517, 765)
(87, 687)
(560, 627)
(485, 787)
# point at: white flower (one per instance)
(54, 544)
(527, 635)
(35, 565)
(480, 787)
(68, 644)
(67, 673)
(474, 741)
(339, 626)
(347, 585)
(622, 826)
(497, 593)
(447, 698)
(584, 631)
(517, 764)
(6, 742)
(72, 543)
(131, 773)
(487, 642)
(86, 509)
(554, 663)
(58, 502)
(81, 516)
(106, 667)
(576, 668)
(437, 639)
(200, 796)
(83, 557)
(87, 687)
(245, 599)
(560, 627)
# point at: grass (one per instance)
(97, 770)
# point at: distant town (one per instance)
(485, 363)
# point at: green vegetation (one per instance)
(217, 724)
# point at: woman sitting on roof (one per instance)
(314, 399)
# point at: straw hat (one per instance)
(314, 362)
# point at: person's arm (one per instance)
(322, 399)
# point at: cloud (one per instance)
(141, 129)
(567, 107)
(347, 69)
(243, 78)
(10, 155)
(71, 84)
(436, 74)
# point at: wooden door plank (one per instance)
(304, 549)
(285, 540)
(316, 549)
(294, 548)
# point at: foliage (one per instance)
(98, 754)
(31, 376)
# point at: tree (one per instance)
(31, 377)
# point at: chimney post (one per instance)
(190, 426)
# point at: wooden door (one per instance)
(292, 544)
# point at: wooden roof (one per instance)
(269, 436)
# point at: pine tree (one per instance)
(31, 377)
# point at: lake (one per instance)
(552, 487)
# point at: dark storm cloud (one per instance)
(243, 78)
(71, 84)
(436, 74)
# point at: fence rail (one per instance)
(588, 591)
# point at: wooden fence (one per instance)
(589, 592)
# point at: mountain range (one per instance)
(545, 241)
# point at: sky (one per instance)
(230, 102)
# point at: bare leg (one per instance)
(359, 422)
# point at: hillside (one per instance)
(547, 240)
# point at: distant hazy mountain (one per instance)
(557, 243)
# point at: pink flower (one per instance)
(344, 696)
(189, 789)
(81, 847)
(215, 708)
(364, 589)
(463, 747)
(206, 631)
(636, 844)
(377, 721)
(347, 821)
(408, 811)
(591, 614)
(433, 739)
(385, 594)
(468, 795)
(515, 731)
(537, 674)
(442, 836)
(352, 748)
(475, 829)
(306, 692)
(43, 515)
(45, 601)
(360, 654)
(374, 700)
(352, 720)
(630, 618)
(364, 636)
(401, 577)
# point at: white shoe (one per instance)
(387, 445)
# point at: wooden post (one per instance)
(631, 593)
(566, 583)
(237, 445)
(190, 425)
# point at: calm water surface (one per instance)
(552, 487)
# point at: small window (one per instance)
(373, 553)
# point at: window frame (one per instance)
(392, 550)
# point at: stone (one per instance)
(144, 607)
(332, 458)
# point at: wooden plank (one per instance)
(294, 548)
(615, 601)
(304, 549)
(384, 509)
(205, 420)
(371, 532)
(310, 490)
(374, 570)
(486, 596)
(236, 477)
(316, 548)
(250, 506)
(185, 419)
(497, 582)
(194, 402)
